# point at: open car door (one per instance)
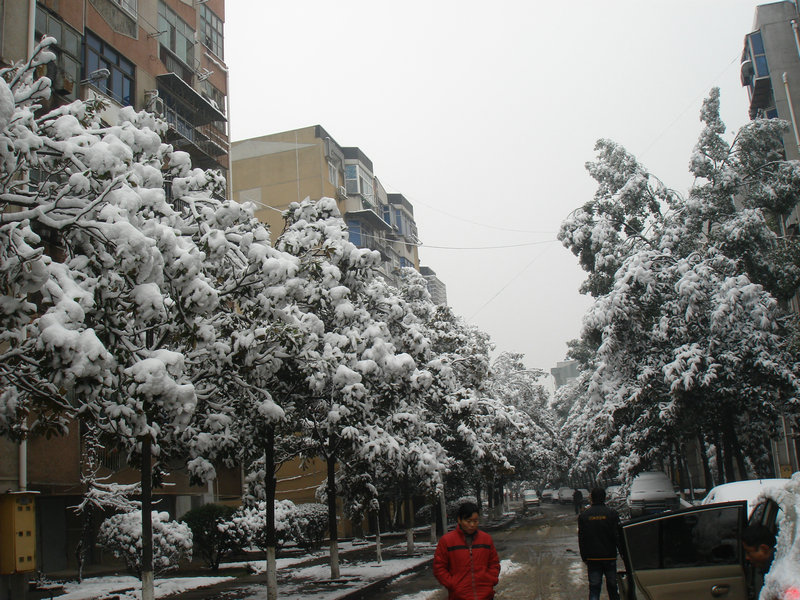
(694, 553)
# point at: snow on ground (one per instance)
(295, 582)
(128, 587)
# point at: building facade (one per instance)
(272, 171)
(165, 56)
(770, 72)
(436, 286)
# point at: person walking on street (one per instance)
(466, 561)
(598, 542)
(577, 501)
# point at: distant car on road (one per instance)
(529, 499)
(652, 492)
(565, 495)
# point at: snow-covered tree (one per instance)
(691, 340)
(114, 267)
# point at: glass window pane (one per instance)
(757, 43)
(762, 70)
(72, 42)
(54, 29)
(642, 542)
(41, 21)
(92, 41)
(92, 61)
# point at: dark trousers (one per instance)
(598, 568)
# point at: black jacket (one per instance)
(597, 533)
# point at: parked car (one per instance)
(549, 495)
(697, 552)
(565, 495)
(529, 499)
(652, 492)
(749, 491)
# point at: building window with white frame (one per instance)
(211, 30)
(175, 34)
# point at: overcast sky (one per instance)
(483, 115)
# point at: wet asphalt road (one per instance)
(539, 554)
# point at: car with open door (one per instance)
(697, 552)
(694, 553)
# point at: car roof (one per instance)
(749, 490)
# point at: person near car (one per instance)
(466, 560)
(758, 542)
(577, 501)
(598, 542)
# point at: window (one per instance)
(399, 221)
(175, 34)
(120, 83)
(66, 71)
(333, 175)
(129, 6)
(211, 30)
(386, 213)
(758, 55)
(354, 229)
(359, 181)
(695, 539)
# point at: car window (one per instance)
(693, 539)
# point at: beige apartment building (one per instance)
(272, 171)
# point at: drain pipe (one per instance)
(31, 27)
(796, 36)
(791, 111)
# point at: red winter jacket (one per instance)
(468, 573)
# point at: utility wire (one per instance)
(512, 280)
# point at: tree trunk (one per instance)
(378, 556)
(443, 513)
(332, 526)
(409, 502)
(269, 491)
(148, 590)
(730, 473)
(708, 478)
(723, 476)
(738, 455)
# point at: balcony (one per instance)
(760, 92)
(204, 143)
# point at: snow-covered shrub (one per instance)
(251, 521)
(424, 515)
(311, 523)
(122, 535)
(215, 534)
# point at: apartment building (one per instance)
(436, 286)
(770, 71)
(272, 171)
(165, 56)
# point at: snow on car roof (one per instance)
(750, 490)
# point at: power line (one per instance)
(513, 279)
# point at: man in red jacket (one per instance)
(466, 561)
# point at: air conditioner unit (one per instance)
(341, 192)
(157, 106)
(63, 83)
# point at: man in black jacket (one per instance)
(597, 539)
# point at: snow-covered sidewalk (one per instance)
(298, 578)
